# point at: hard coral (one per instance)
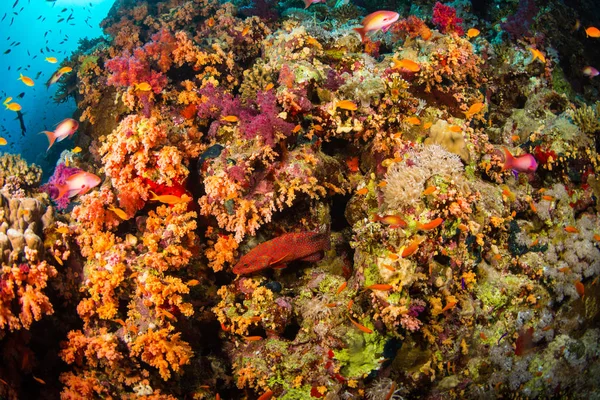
(17, 172)
(406, 179)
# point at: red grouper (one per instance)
(303, 246)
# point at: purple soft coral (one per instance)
(517, 25)
(259, 118)
(266, 123)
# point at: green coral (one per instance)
(87, 63)
(560, 82)
(587, 118)
(491, 295)
(363, 352)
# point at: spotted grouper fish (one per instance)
(305, 246)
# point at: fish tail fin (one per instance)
(51, 138)
(307, 3)
(509, 160)
(154, 196)
(362, 32)
(62, 191)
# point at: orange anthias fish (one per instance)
(305, 246)
(406, 64)
(66, 128)
(592, 32)
(79, 183)
(429, 190)
(13, 107)
(169, 198)
(57, 75)
(376, 21)
(3, 141)
(26, 80)
(474, 109)
(471, 33)
(230, 118)
(571, 229)
(430, 225)
(537, 54)
(51, 60)
(142, 87)
(360, 326)
(120, 213)
(346, 105)
(393, 221)
(413, 120)
(266, 395)
(412, 247)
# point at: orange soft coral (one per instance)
(136, 150)
(222, 251)
(163, 350)
(21, 286)
(174, 228)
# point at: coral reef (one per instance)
(288, 212)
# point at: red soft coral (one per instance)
(444, 17)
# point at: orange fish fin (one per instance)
(361, 31)
(508, 160)
(62, 191)
(51, 138)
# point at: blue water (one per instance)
(39, 109)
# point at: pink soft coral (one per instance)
(129, 70)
